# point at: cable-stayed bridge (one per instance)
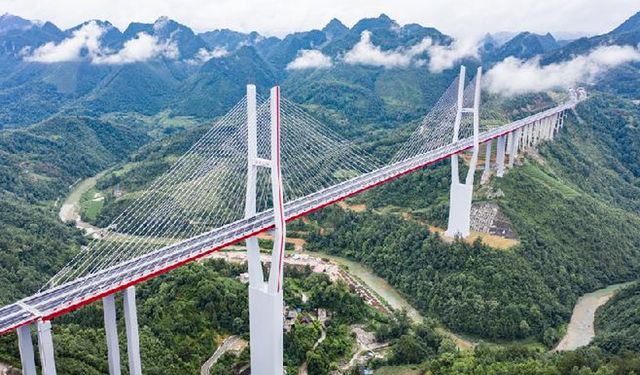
(266, 162)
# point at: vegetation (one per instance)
(33, 245)
(573, 240)
(38, 163)
(618, 323)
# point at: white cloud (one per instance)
(203, 55)
(513, 76)
(86, 39)
(441, 57)
(309, 58)
(85, 44)
(366, 53)
(141, 48)
(444, 57)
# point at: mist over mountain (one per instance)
(95, 68)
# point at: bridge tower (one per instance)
(462, 193)
(265, 296)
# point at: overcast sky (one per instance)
(460, 17)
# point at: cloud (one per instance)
(366, 53)
(141, 48)
(203, 55)
(84, 40)
(441, 57)
(444, 57)
(85, 44)
(514, 76)
(308, 58)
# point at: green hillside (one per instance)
(577, 224)
(618, 322)
(39, 162)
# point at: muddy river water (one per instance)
(581, 331)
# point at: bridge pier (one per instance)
(131, 325)
(111, 332)
(25, 345)
(532, 128)
(487, 164)
(540, 132)
(554, 126)
(266, 303)
(461, 194)
(45, 346)
(545, 128)
(500, 155)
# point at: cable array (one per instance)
(205, 188)
(437, 127)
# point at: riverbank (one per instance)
(580, 330)
(70, 209)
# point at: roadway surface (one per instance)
(228, 344)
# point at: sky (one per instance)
(458, 18)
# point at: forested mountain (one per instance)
(182, 70)
(39, 162)
(524, 45)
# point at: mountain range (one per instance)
(94, 68)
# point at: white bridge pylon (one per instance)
(534, 131)
(461, 194)
(265, 297)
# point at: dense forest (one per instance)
(574, 237)
(39, 162)
(618, 322)
(184, 314)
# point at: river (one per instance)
(383, 289)
(580, 330)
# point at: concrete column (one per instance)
(500, 144)
(27, 357)
(131, 324)
(487, 163)
(45, 345)
(547, 129)
(509, 143)
(531, 128)
(460, 199)
(532, 134)
(111, 331)
(538, 132)
(512, 150)
(516, 141)
(554, 125)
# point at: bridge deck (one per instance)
(73, 295)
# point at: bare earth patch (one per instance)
(352, 207)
